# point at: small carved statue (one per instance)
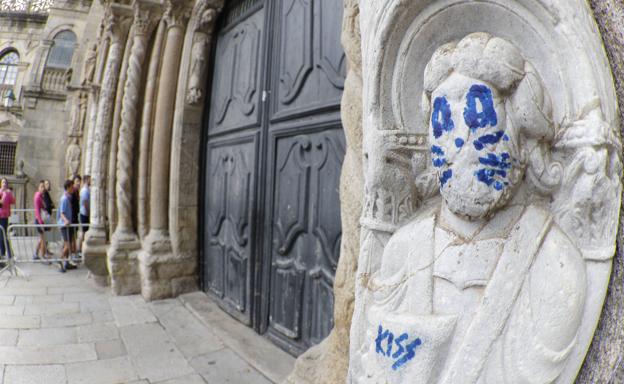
(89, 65)
(72, 158)
(483, 286)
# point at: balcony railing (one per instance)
(54, 80)
(25, 6)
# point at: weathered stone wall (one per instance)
(42, 120)
(603, 363)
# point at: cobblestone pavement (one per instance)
(61, 329)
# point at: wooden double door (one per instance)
(273, 152)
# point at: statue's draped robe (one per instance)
(502, 307)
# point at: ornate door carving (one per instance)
(274, 150)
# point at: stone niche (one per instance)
(492, 191)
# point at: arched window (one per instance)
(62, 50)
(8, 68)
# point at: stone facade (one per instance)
(47, 120)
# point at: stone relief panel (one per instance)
(493, 183)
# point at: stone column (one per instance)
(94, 249)
(157, 256)
(146, 131)
(122, 253)
(111, 209)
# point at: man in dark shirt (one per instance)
(75, 205)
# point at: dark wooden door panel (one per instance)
(236, 91)
(305, 236)
(310, 61)
(273, 154)
(229, 194)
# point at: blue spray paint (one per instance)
(487, 116)
(441, 119)
(403, 354)
(495, 172)
(409, 355)
(445, 176)
(459, 142)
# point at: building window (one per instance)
(7, 157)
(62, 50)
(8, 68)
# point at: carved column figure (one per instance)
(111, 209)
(186, 145)
(157, 245)
(121, 255)
(95, 242)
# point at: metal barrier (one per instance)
(22, 244)
(26, 216)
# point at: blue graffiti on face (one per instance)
(495, 172)
(441, 119)
(437, 157)
(489, 138)
(403, 353)
(445, 176)
(487, 116)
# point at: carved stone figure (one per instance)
(89, 64)
(488, 282)
(72, 158)
(79, 114)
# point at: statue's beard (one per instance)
(465, 195)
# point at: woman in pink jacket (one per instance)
(39, 213)
(7, 199)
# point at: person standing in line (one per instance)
(7, 199)
(48, 207)
(85, 197)
(40, 213)
(64, 219)
(75, 203)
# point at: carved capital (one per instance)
(116, 21)
(177, 13)
(205, 14)
(146, 15)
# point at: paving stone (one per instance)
(103, 316)
(23, 300)
(225, 366)
(51, 309)
(56, 354)
(82, 296)
(119, 370)
(191, 336)
(46, 336)
(192, 379)
(35, 374)
(160, 307)
(97, 332)
(47, 299)
(110, 349)
(153, 352)
(128, 310)
(19, 322)
(12, 309)
(23, 291)
(7, 300)
(66, 320)
(8, 337)
(2, 374)
(70, 289)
